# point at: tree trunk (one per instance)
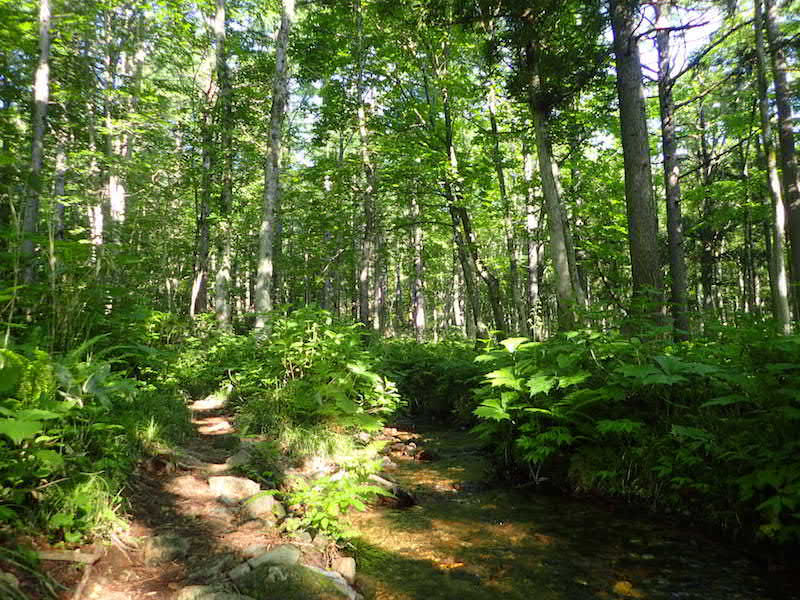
(280, 95)
(565, 292)
(41, 97)
(367, 249)
(669, 144)
(533, 322)
(199, 298)
(517, 312)
(641, 209)
(791, 192)
(223, 276)
(417, 289)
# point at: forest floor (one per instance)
(464, 539)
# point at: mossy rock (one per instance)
(289, 583)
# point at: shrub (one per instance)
(709, 426)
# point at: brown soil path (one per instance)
(170, 495)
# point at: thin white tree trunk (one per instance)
(780, 279)
(41, 97)
(280, 96)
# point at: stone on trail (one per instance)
(241, 458)
(285, 555)
(227, 487)
(338, 581)
(262, 506)
(164, 548)
(346, 567)
(255, 550)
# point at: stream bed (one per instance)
(465, 540)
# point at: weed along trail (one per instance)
(202, 531)
(465, 540)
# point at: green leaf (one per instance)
(541, 384)
(492, 409)
(618, 426)
(725, 400)
(512, 344)
(19, 430)
(505, 377)
(573, 379)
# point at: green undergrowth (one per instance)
(72, 427)
(707, 428)
(435, 379)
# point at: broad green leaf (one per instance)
(505, 377)
(511, 344)
(19, 430)
(573, 379)
(541, 384)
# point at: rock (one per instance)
(276, 574)
(164, 548)
(426, 455)
(212, 568)
(401, 499)
(346, 567)
(321, 541)
(338, 581)
(260, 506)
(303, 537)
(227, 487)
(200, 592)
(285, 554)
(387, 464)
(241, 458)
(255, 550)
(398, 447)
(363, 437)
(240, 571)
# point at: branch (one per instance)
(716, 157)
(698, 57)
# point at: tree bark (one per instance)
(532, 225)
(417, 288)
(669, 145)
(788, 157)
(280, 95)
(565, 292)
(779, 281)
(41, 98)
(640, 204)
(517, 312)
(223, 276)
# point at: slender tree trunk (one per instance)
(517, 310)
(791, 192)
(199, 298)
(280, 95)
(669, 144)
(641, 209)
(532, 225)
(59, 224)
(223, 276)
(417, 288)
(565, 292)
(472, 301)
(367, 249)
(381, 286)
(41, 97)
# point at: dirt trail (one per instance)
(170, 499)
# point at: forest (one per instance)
(469, 258)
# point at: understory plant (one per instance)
(71, 428)
(709, 427)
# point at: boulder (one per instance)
(346, 567)
(227, 487)
(283, 555)
(338, 581)
(262, 506)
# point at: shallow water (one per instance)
(466, 542)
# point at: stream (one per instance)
(465, 540)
